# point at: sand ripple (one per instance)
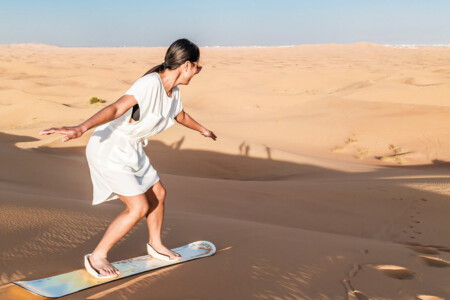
(47, 231)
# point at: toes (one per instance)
(111, 271)
(104, 268)
(103, 272)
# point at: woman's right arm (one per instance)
(108, 113)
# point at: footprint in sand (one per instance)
(410, 219)
(418, 212)
(429, 297)
(394, 271)
(352, 293)
(436, 262)
(444, 249)
(424, 250)
(415, 204)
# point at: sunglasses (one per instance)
(197, 67)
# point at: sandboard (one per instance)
(68, 283)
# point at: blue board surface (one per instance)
(68, 283)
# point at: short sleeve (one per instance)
(178, 108)
(140, 89)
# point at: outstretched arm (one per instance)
(186, 120)
(108, 113)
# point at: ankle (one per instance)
(98, 255)
(155, 243)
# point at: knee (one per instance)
(161, 195)
(156, 194)
(139, 211)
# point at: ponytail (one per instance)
(159, 68)
(179, 52)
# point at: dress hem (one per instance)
(134, 194)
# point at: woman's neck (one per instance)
(169, 80)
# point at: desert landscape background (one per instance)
(329, 178)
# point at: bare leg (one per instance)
(156, 197)
(137, 208)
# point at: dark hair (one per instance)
(179, 52)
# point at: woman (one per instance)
(118, 165)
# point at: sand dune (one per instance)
(329, 178)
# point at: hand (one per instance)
(208, 133)
(71, 132)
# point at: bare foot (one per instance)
(101, 265)
(161, 249)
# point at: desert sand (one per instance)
(329, 178)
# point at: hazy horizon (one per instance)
(234, 23)
(240, 46)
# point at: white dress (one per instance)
(115, 153)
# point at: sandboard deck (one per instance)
(68, 283)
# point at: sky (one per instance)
(111, 23)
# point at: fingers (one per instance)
(50, 131)
(47, 131)
(213, 136)
(54, 130)
(70, 132)
(69, 137)
(210, 134)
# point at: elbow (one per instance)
(180, 117)
(115, 111)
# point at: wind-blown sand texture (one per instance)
(329, 178)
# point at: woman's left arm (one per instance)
(186, 120)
